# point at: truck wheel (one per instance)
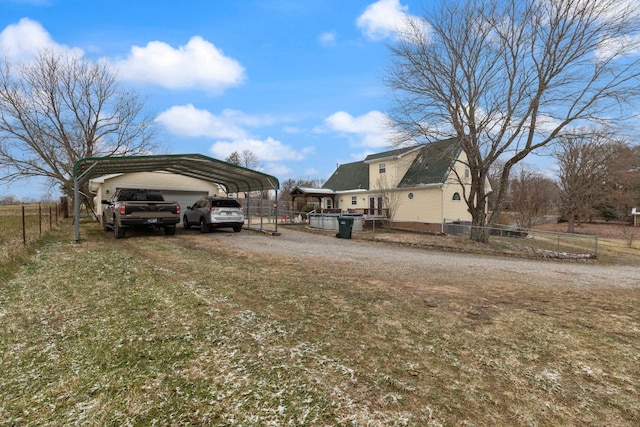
(105, 226)
(118, 231)
(204, 227)
(237, 228)
(185, 223)
(169, 230)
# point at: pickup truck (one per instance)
(138, 208)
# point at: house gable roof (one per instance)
(350, 176)
(393, 154)
(433, 163)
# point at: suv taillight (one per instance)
(213, 208)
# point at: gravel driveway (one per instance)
(396, 260)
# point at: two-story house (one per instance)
(415, 187)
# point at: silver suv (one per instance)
(214, 212)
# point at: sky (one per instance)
(297, 83)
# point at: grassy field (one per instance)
(38, 220)
(184, 331)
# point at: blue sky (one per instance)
(298, 83)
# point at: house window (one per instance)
(456, 196)
(467, 173)
(354, 200)
(382, 167)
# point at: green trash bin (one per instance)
(345, 225)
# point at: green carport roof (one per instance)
(234, 178)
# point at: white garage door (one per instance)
(184, 198)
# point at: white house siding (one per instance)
(174, 187)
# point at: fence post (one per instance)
(373, 228)
(558, 251)
(40, 219)
(50, 219)
(24, 228)
(596, 246)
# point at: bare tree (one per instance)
(622, 189)
(531, 196)
(390, 197)
(583, 174)
(61, 108)
(494, 174)
(507, 78)
(246, 159)
(289, 184)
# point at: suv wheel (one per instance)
(237, 228)
(185, 223)
(204, 227)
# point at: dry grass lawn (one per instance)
(184, 330)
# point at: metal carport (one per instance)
(235, 179)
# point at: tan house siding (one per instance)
(424, 206)
(454, 210)
(395, 168)
(343, 201)
(429, 176)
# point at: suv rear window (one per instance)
(230, 203)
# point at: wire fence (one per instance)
(22, 224)
(546, 243)
(509, 238)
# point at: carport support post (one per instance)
(276, 211)
(76, 208)
(247, 196)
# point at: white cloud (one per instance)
(328, 38)
(186, 120)
(278, 169)
(371, 129)
(268, 150)
(618, 47)
(198, 64)
(386, 18)
(23, 41)
(230, 128)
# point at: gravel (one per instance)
(395, 260)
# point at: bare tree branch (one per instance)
(61, 108)
(508, 78)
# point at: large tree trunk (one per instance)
(478, 210)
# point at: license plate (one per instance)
(152, 220)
